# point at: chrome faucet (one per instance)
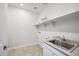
(63, 38)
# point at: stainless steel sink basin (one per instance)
(62, 44)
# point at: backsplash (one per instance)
(46, 35)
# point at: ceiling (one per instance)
(34, 7)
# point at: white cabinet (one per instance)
(47, 52)
(50, 51)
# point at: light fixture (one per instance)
(21, 4)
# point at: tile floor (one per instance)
(35, 50)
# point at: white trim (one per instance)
(22, 46)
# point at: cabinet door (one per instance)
(53, 54)
(46, 52)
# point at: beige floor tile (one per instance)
(35, 50)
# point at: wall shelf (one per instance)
(68, 16)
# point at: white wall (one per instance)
(69, 36)
(69, 25)
(3, 27)
(21, 31)
(55, 10)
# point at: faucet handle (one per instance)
(47, 38)
(64, 38)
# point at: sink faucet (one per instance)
(63, 38)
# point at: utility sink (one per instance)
(63, 44)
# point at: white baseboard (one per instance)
(23, 46)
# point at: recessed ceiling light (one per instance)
(21, 4)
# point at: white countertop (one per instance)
(67, 52)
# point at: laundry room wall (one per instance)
(21, 31)
(68, 23)
(3, 22)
